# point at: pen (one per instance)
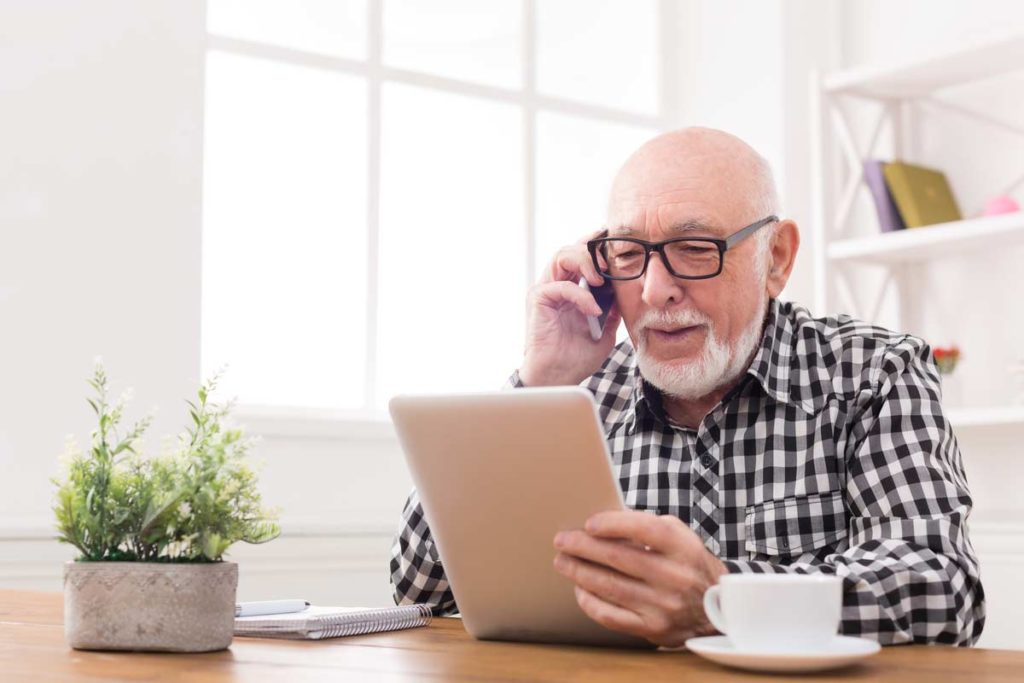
(253, 609)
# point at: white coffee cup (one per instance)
(776, 612)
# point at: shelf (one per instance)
(992, 416)
(943, 70)
(921, 244)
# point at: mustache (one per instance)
(660, 318)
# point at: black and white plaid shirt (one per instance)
(832, 456)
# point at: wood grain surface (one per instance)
(32, 648)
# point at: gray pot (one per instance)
(152, 606)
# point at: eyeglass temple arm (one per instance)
(745, 232)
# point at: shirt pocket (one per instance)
(795, 526)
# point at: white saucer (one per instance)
(840, 652)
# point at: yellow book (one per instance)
(921, 194)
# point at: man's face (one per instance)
(689, 332)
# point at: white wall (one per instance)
(100, 197)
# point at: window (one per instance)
(383, 179)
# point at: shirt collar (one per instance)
(771, 364)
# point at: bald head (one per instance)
(709, 162)
(712, 177)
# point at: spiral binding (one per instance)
(338, 625)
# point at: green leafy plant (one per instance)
(188, 505)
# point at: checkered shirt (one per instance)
(831, 456)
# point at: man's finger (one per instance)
(555, 293)
(626, 558)
(630, 559)
(608, 615)
(665, 534)
(611, 586)
(572, 263)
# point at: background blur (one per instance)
(341, 200)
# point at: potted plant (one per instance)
(152, 532)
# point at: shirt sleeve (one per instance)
(910, 573)
(416, 572)
(417, 575)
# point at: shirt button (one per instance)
(707, 461)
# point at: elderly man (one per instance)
(761, 438)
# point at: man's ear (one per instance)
(782, 256)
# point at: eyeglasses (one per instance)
(689, 258)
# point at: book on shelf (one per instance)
(922, 195)
(889, 218)
(317, 623)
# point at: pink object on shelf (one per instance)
(999, 205)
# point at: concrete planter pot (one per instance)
(149, 606)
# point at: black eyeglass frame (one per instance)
(723, 246)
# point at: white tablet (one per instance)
(499, 474)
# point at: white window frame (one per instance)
(674, 36)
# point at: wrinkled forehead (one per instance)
(650, 216)
(636, 223)
(701, 195)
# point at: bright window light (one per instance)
(380, 193)
(331, 27)
(473, 40)
(284, 232)
(604, 52)
(451, 243)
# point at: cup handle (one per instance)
(713, 609)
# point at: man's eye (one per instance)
(690, 249)
(627, 255)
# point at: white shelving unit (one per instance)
(987, 416)
(840, 248)
(924, 244)
(923, 77)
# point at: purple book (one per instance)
(889, 217)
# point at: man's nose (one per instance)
(661, 288)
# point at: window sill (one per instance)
(315, 423)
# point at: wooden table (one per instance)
(32, 648)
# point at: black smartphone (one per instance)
(605, 297)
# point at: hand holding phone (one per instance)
(563, 346)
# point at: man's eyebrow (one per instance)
(683, 228)
(693, 226)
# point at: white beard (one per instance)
(718, 365)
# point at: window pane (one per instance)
(576, 162)
(284, 246)
(452, 275)
(603, 52)
(330, 27)
(474, 40)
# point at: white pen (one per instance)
(262, 607)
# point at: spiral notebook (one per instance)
(316, 623)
